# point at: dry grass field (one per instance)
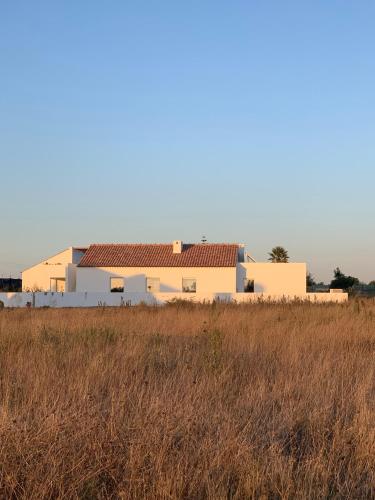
(222, 401)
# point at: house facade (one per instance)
(193, 269)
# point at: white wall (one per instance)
(39, 277)
(94, 299)
(273, 278)
(209, 279)
(269, 278)
(70, 273)
(16, 299)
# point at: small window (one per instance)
(153, 285)
(189, 285)
(248, 285)
(117, 285)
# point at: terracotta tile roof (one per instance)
(160, 255)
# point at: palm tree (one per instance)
(278, 254)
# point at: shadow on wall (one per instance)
(99, 280)
(246, 282)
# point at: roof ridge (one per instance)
(162, 244)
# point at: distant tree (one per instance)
(372, 283)
(278, 254)
(340, 280)
(10, 284)
(310, 281)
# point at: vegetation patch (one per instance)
(188, 401)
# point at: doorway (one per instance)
(57, 284)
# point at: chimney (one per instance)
(177, 246)
(241, 252)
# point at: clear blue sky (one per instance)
(248, 121)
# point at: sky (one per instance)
(149, 121)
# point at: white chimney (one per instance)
(177, 246)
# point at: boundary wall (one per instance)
(95, 299)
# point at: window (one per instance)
(153, 285)
(57, 284)
(117, 284)
(189, 285)
(248, 285)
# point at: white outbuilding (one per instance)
(55, 274)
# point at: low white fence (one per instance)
(95, 299)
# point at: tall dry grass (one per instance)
(220, 401)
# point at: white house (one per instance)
(203, 268)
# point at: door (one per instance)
(57, 285)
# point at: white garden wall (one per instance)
(94, 299)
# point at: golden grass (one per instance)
(252, 401)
